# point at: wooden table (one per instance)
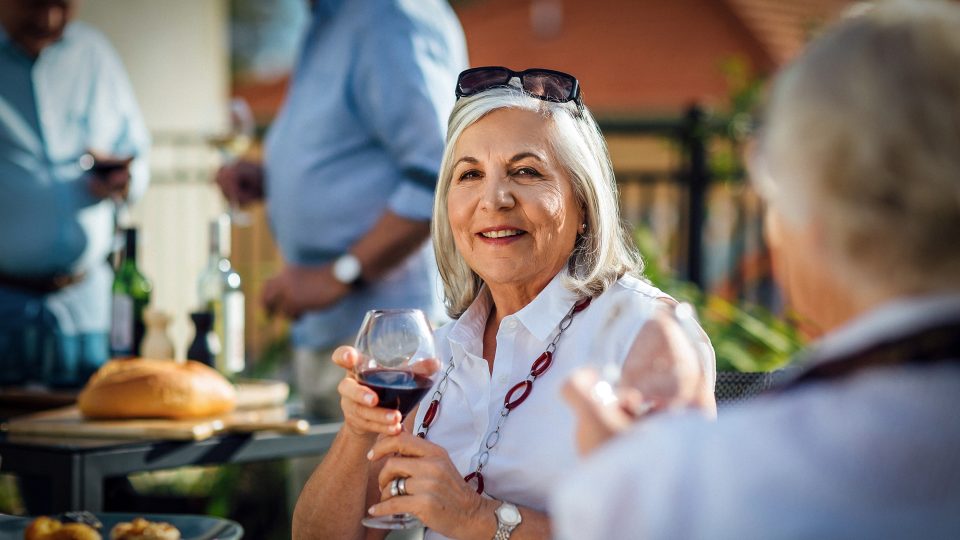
(77, 467)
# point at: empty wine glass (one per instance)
(234, 144)
(398, 361)
(670, 366)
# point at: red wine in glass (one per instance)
(399, 389)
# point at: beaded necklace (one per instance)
(510, 401)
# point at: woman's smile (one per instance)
(501, 236)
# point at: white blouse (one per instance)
(536, 447)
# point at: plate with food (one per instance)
(119, 526)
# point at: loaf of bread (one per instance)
(142, 388)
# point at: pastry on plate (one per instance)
(142, 529)
(47, 528)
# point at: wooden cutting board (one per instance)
(68, 422)
(261, 393)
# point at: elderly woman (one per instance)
(860, 166)
(539, 278)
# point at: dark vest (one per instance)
(938, 344)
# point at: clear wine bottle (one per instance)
(220, 293)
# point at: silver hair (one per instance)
(863, 136)
(600, 256)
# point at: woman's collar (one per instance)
(470, 325)
(540, 317)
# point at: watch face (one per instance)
(346, 269)
(509, 515)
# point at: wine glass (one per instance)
(398, 361)
(672, 365)
(233, 144)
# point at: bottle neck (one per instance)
(216, 251)
(216, 260)
(219, 232)
(130, 248)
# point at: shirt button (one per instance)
(511, 324)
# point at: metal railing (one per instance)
(716, 241)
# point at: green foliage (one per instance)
(10, 501)
(272, 359)
(745, 337)
(253, 494)
(735, 123)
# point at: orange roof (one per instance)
(642, 56)
(784, 27)
(631, 56)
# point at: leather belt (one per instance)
(41, 284)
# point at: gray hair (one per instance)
(600, 256)
(863, 136)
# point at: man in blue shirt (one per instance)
(64, 100)
(350, 169)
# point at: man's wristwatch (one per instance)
(508, 517)
(347, 270)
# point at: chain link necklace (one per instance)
(510, 401)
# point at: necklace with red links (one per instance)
(510, 401)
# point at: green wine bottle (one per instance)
(131, 294)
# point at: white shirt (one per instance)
(536, 446)
(876, 455)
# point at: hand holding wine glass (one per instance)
(232, 145)
(109, 175)
(666, 368)
(398, 361)
(669, 367)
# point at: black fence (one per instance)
(714, 236)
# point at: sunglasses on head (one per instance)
(546, 84)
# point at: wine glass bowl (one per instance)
(233, 144)
(398, 358)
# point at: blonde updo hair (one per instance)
(600, 256)
(863, 137)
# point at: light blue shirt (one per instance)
(74, 97)
(362, 132)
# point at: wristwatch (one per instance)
(508, 517)
(347, 270)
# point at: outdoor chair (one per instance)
(734, 387)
